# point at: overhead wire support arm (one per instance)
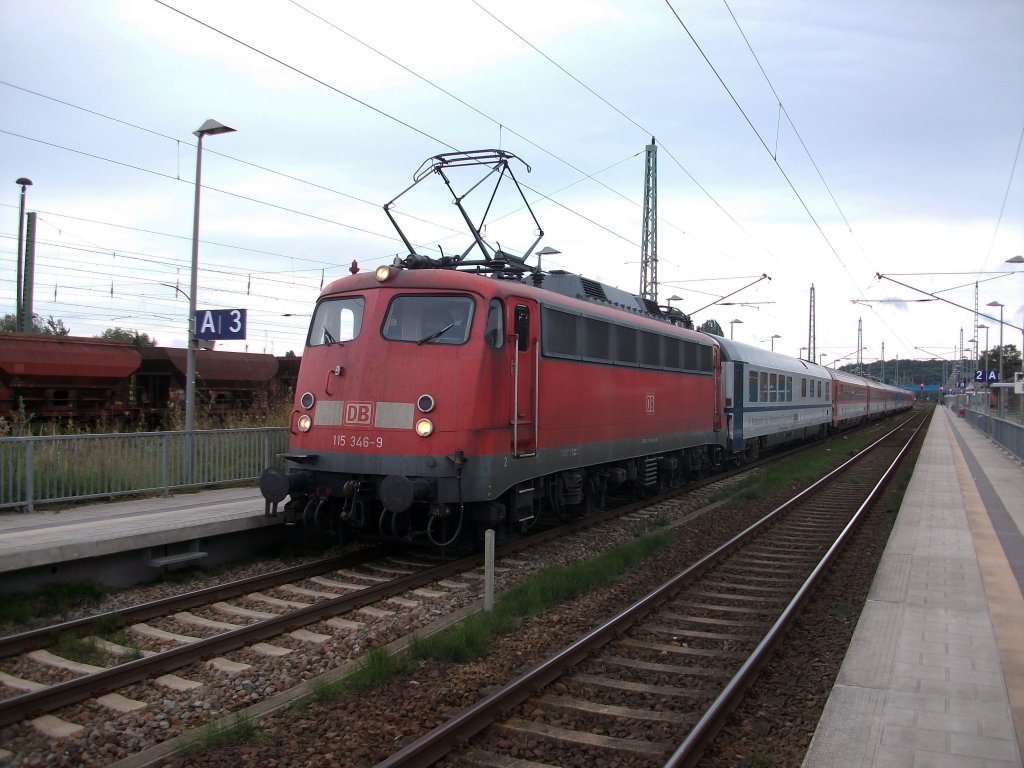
(880, 276)
(719, 301)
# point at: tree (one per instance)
(49, 327)
(130, 336)
(712, 326)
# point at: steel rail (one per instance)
(30, 640)
(435, 744)
(72, 691)
(55, 696)
(704, 732)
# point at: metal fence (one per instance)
(1005, 426)
(64, 468)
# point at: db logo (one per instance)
(359, 413)
(649, 403)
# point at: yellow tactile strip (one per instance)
(1006, 605)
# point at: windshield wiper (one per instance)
(436, 335)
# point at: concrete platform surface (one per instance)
(934, 676)
(44, 538)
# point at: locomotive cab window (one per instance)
(429, 319)
(335, 321)
(494, 330)
(521, 327)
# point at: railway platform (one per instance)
(124, 542)
(934, 675)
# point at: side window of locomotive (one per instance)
(336, 320)
(429, 319)
(597, 340)
(560, 333)
(522, 327)
(494, 330)
(650, 350)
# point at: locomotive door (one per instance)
(525, 350)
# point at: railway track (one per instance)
(263, 616)
(653, 685)
(229, 617)
(195, 631)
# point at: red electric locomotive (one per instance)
(438, 398)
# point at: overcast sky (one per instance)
(865, 137)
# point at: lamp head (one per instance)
(24, 182)
(211, 128)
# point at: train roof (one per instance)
(736, 351)
(542, 286)
(42, 355)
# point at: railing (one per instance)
(981, 410)
(64, 468)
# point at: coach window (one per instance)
(764, 386)
(773, 388)
(494, 330)
(335, 321)
(789, 389)
(752, 381)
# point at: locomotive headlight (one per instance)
(304, 422)
(384, 272)
(424, 427)
(425, 403)
(307, 400)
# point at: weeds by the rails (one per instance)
(51, 600)
(801, 469)
(242, 730)
(471, 637)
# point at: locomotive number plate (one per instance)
(358, 442)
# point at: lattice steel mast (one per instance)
(649, 240)
(812, 353)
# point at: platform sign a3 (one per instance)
(220, 324)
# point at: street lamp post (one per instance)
(774, 337)
(1000, 400)
(673, 297)
(21, 253)
(821, 356)
(209, 128)
(733, 323)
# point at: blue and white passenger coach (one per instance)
(771, 398)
